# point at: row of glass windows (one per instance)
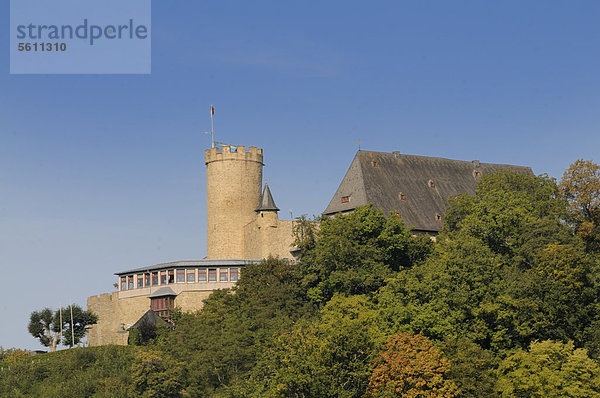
(166, 277)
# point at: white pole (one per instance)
(61, 323)
(72, 328)
(212, 129)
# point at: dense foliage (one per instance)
(505, 303)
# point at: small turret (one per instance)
(266, 201)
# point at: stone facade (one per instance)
(268, 235)
(239, 229)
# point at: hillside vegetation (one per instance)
(505, 303)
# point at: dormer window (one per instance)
(345, 199)
(375, 163)
(438, 217)
(401, 196)
(431, 184)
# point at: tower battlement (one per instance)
(229, 152)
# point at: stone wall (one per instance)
(268, 236)
(114, 316)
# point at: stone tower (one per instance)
(233, 185)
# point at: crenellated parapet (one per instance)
(228, 152)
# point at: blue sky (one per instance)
(101, 173)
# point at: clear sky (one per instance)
(102, 173)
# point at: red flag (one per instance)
(212, 111)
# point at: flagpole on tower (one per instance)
(212, 129)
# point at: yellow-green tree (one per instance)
(156, 375)
(550, 370)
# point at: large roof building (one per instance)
(415, 188)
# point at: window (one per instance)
(171, 276)
(123, 283)
(438, 217)
(202, 275)
(154, 278)
(191, 275)
(212, 274)
(163, 277)
(130, 282)
(159, 304)
(147, 280)
(223, 275)
(345, 199)
(401, 196)
(140, 280)
(476, 173)
(375, 163)
(180, 276)
(233, 274)
(431, 184)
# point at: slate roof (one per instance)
(163, 291)
(151, 318)
(189, 264)
(417, 187)
(266, 200)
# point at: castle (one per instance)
(243, 226)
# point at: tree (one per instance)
(472, 368)
(81, 320)
(355, 253)
(157, 375)
(45, 325)
(580, 185)
(410, 367)
(331, 356)
(549, 369)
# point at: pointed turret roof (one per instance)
(266, 201)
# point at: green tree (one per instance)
(78, 327)
(156, 375)
(472, 368)
(355, 253)
(329, 357)
(410, 367)
(549, 369)
(45, 325)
